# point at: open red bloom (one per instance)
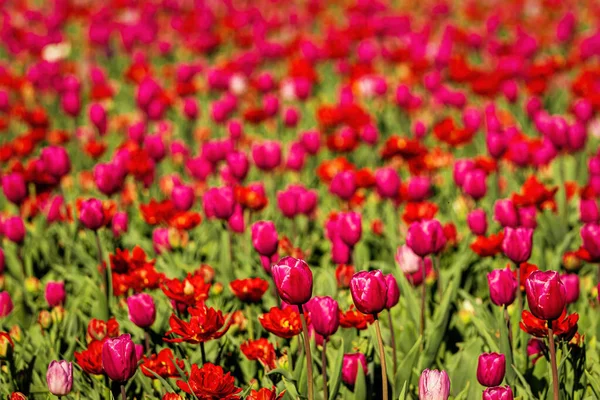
(261, 350)
(534, 193)
(404, 147)
(526, 270)
(446, 131)
(330, 168)
(205, 324)
(162, 364)
(564, 327)
(99, 330)
(132, 271)
(450, 233)
(249, 290)
(250, 199)
(355, 319)
(418, 211)
(210, 383)
(190, 291)
(155, 213)
(284, 323)
(185, 220)
(488, 246)
(90, 360)
(287, 248)
(265, 394)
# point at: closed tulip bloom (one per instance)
(14, 188)
(14, 229)
(236, 221)
(369, 291)
(119, 358)
(387, 182)
(477, 222)
(498, 393)
(350, 365)
(264, 238)
(528, 216)
(546, 294)
(349, 228)
(119, 223)
(418, 188)
(160, 240)
(108, 178)
(434, 385)
(341, 253)
(287, 202)
(219, 203)
(59, 378)
(142, 310)
(503, 286)
(475, 184)
(238, 164)
(324, 315)
(190, 108)
(571, 283)
(6, 304)
(311, 141)
(56, 161)
(491, 368)
(91, 214)
(426, 237)
(98, 118)
(505, 213)
(267, 155)
(291, 116)
(393, 291)
(461, 167)
(588, 211)
(343, 185)
(407, 260)
(183, 197)
(293, 280)
(296, 157)
(517, 244)
(496, 144)
(307, 202)
(590, 234)
(55, 293)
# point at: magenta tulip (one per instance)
(498, 393)
(387, 182)
(119, 223)
(55, 293)
(219, 203)
(546, 294)
(324, 315)
(475, 184)
(490, 369)
(349, 227)
(590, 234)
(6, 304)
(267, 155)
(571, 283)
(477, 222)
(14, 188)
(426, 237)
(350, 365)
(56, 161)
(393, 291)
(183, 197)
(517, 244)
(14, 229)
(142, 310)
(119, 358)
(503, 286)
(293, 280)
(343, 185)
(91, 214)
(506, 214)
(369, 291)
(264, 238)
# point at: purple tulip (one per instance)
(142, 311)
(324, 315)
(119, 358)
(503, 286)
(293, 280)
(517, 244)
(490, 369)
(369, 291)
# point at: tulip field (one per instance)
(301, 199)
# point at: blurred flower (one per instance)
(142, 311)
(517, 244)
(350, 365)
(249, 290)
(434, 385)
(6, 304)
(55, 293)
(162, 364)
(503, 287)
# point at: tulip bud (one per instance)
(491, 368)
(14, 188)
(546, 294)
(98, 117)
(264, 238)
(219, 203)
(6, 346)
(461, 167)
(426, 237)
(291, 117)
(517, 244)
(341, 253)
(14, 229)
(506, 214)
(590, 234)
(296, 157)
(387, 182)
(434, 385)
(477, 222)
(55, 293)
(588, 211)
(474, 184)
(571, 283)
(238, 164)
(528, 216)
(496, 144)
(142, 310)
(343, 185)
(119, 358)
(369, 291)
(393, 291)
(418, 188)
(293, 280)
(161, 240)
(324, 315)
(498, 393)
(119, 223)
(56, 161)
(311, 141)
(183, 197)
(350, 365)
(349, 227)
(267, 155)
(91, 214)
(6, 304)
(60, 378)
(45, 319)
(503, 286)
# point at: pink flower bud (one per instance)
(267, 155)
(14, 229)
(219, 203)
(517, 244)
(293, 280)
(506, 214)
(142, 311)
(91, 214)
(324, 315)
(588, 211)
(393, 291)
(571, 283)
(477, 221)
(491, 368)
(183, 197)
(498, 393)
(503, 286)
(546, 295)
(14, 188)
(119, 358)
(6, 304)
(264, 238)
(119, 223)
(343, 185)
(426, 237)
(55, 293)
(350, 365)
(387, 182)
(369, 291)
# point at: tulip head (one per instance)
(293, 280)
(369, 291)
(59, 378)
(491, 368)
(546, 294)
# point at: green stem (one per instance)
(555, 389)
(324, 368)
(107, 276)
(309, 370)
(423, 298)
(203, 353)
(384, 383)
(393, 342)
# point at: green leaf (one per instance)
(406, 366)
(505, 348)
(335, 371)
(360, 387)
(403, 392)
